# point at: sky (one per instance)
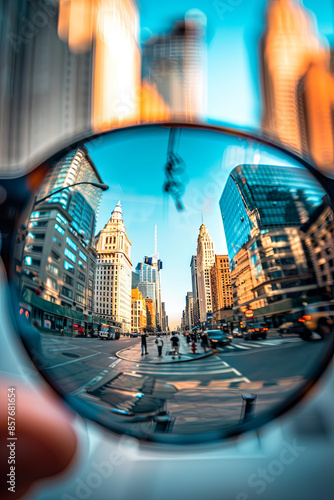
(133, 166)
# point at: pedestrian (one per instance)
(205, 341)
(176, 345)
(143, 344)
(187, 338)
(193, 347)
(160, 344)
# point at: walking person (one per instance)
(205, 341)
(176, 345)
(160, 344)
(143, 344)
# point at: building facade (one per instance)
(138, 311)
(221, 288)
(193, 270)
(113, 272)
(205, 261)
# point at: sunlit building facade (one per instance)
(221, 289)
(150, 313)
(271, 272)
(193, 270)
(205, 261)
(113, 272)
(138, 311)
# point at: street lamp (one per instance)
(99, 185)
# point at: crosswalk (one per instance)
(248, 345)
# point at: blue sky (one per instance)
(133, 168)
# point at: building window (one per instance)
(53, 269)
(59, 229)
(29, 261)
(56, 241)
(70, 255)
(79, 298)
(61, 219)
(68, 267)
(67, 292)
(55, 256)
(51, 283)
(67, 279)
(71, 244)
(82, 255)
(81, 276)
(80, 287)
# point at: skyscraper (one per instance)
(205, 260)
(221, 285)
(175, 64)
(193, 267)
(113, 272)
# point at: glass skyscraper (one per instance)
(259, 197)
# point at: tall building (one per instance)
(270, 272)
(150, 313)
(189, 311)
(221, 286)
(55, 258)
(193, 268)
(289, 46)
(175, 64)
(138, 311)
(205, 261)
(164, 325)
(113, 272)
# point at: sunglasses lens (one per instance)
(172, 282)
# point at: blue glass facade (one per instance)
(264, 197)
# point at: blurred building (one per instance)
(150, 313)
(297, 83)
(45, 94)
(193, 269)
(205, 261)
(164, 325)
(175, 65)
(112, 289)
(271, 272)
(221, 289)
(138, 311)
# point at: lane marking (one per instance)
(210, 372)
(62, 349)
(114, 363)
(72, 361)
(242, 347)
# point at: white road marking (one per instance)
(63, 349)
(114, 363)
(241, 346)
(72, 361)
(209, 372)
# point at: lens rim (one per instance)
(27, 334)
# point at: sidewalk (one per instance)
(133, 353)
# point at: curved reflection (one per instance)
(182, 311)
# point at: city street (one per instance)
(194, 393)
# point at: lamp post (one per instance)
(99, 185)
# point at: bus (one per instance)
(107, 332)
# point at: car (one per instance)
(317, 318)
(237, 332)
(255, 331)
(134, 334)
(218, 338)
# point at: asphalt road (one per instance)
(196, 394)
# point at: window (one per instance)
(38, 236)
(29, 261)
(82, 265)
(59, 229)
(68, 267)
(57, 242)
(51, 283)
(81, 276)
(67, 279)
(71, 244)
(79, 298)
(70, 255)
(82, 255)
(37, 223)
(53, 269)
(37, 215)
(80, 287)
(34, 248)
(67, 292)
(55, 256)
(61, 219)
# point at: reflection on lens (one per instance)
(178, 312)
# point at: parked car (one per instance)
(237, 332)
(134, 334)
(218, 338)
(255, 331)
